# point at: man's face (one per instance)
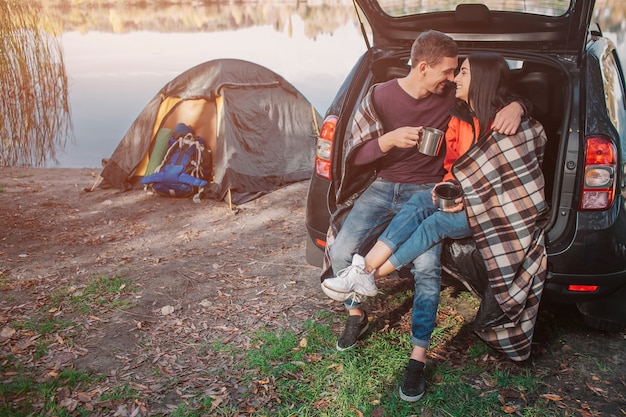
(438, 76)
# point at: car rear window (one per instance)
(399, 8)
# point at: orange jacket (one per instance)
(460, 136)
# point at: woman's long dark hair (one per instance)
(489, 87)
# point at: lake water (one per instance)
(114, 74)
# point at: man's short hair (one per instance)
(433, 46)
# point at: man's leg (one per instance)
(367, 219)
(427, 274)
(374, 210)
(402, 206)
(413, 230)
(369, 216)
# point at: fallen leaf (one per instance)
(7, 332)
(166, 310)
(552, 397)
(509, 393)
(336, 366)
(314, 357)
(357, 412)
(598, 391)
(507, 409)
(321, 404)
(84, 397)
(69, 403)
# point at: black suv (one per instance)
(572, 76)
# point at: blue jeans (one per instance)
(371, 214)
(419, 226)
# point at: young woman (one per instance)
(481, 90)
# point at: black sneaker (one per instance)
(356, 326)
(412, 388)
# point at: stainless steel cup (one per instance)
(431, 141)
(446, 194)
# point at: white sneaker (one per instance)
(343, 296)
(353, 279)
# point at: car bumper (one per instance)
(558, 287)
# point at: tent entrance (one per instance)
(199, 114)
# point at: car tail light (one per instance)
(583, 288)
(324, 148)
(320, 243)
(599, 177)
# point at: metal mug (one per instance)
(446, 195)
(430, 142)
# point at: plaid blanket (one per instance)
(504, 197)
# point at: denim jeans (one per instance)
(371, 214)
(419, 226)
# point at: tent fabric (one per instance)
(260, 129)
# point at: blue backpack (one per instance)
(182, 172)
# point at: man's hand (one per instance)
(508, 119)
(402, 137)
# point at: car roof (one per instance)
(557, 26)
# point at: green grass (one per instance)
(312, 379)
(596, 363)
(100, 292)
(43, 324)
(25, 385)
(24, 390)
(286, 373)
(302, 374)
(121, 392)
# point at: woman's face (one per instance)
(462, 81)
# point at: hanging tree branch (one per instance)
(35, 119)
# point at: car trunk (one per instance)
(538, 80)
(545, 84)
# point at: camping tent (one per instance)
(260, 129)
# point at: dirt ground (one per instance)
(215, 273)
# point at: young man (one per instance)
(384, 136)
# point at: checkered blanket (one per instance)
(504, 197)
